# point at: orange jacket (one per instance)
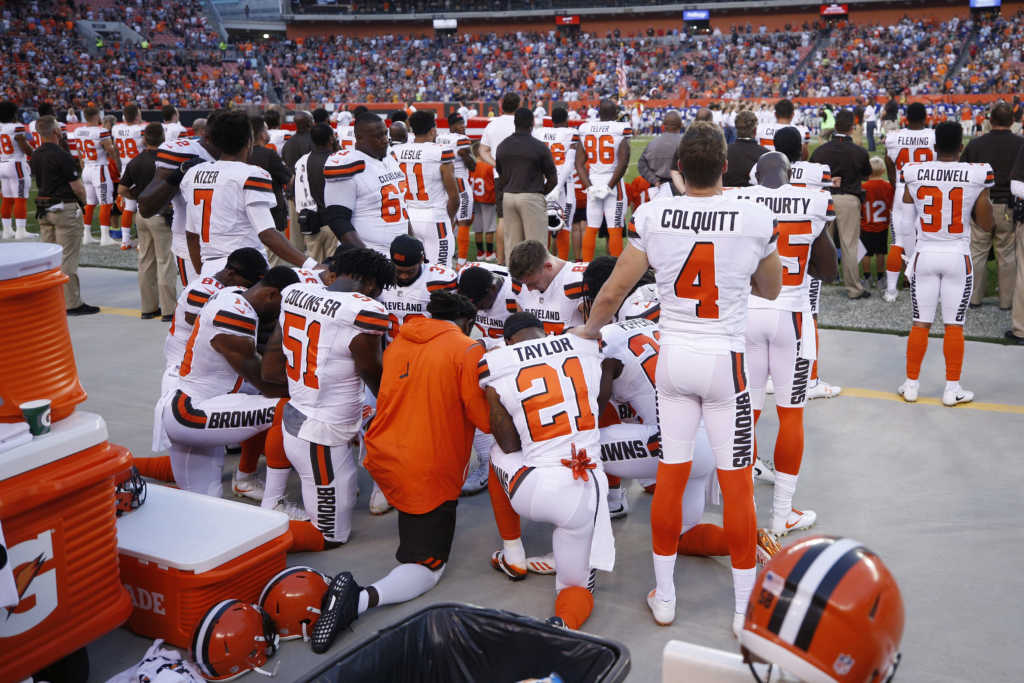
(418, 447)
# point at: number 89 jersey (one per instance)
(549, 387)
(634, 343)
(703, 251)
(317, 327)
(801, 215)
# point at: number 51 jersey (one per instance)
(549, 387)
(703, 251)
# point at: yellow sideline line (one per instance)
(847, 391)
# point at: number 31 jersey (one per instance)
(944, 194)
(549, 388)
(703, 251)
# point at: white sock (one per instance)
(105, 231)
(275, 486)
(515, 553)
(782, 498)
(890, 280)
(664, 577)
(482, 444)
(364, 601)
(742, 585)
(953, 386)
(19, 224)
(405, 582)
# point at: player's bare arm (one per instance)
(610, 371)
(451, 188)
(823, 263)
(890, 170)
(581, 165)
(622, 163)
(503, 429)
(983, 213)
(23, 144)
(157, 193)
(468, 159)
(274, 364)
(78, 187)
(275, 242)
(108, 145)
(367, 352)
(629, 268)
(766, 282)
(192, 241)
(240, 353)
(485, 154)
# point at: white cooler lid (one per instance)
(77, 432)
(26, 258)
(192, 532)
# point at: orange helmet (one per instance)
(826, 609)
(292, 600)
(231, 639)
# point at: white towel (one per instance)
(161, 442)
(808, 345)
(602, 547)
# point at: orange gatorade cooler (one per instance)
(58, 514)
(36, 358)
(182, 553)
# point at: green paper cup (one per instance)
(37, 414)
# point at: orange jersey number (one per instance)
(933, 209)
(553, 396)
(126, 148)
(920, 154)
(294, 346)
(417, 173)
(696, 280)
(599, 148)
(6, 144)
(390, 204)
(785, 230)
(641, 344)
(204, 197)
(558, 153)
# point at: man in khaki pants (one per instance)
(1016, 333)
(57, 207)
(526, 173)
(157, 270)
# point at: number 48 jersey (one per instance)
(549, 388)
(944, 194)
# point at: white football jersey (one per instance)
(33, 134)
(346, 137)
(458, 143)
(204, 372)
(549, 388)
(944, 194)
(171, 155)
(9, 148)
(906, 146)
(278, 136)
(309, 277)
(421, 163)
(411, 300)
(491, 322)
(317, 327)
(634, 343)
(191, 301)
(173, 131)
(373, 190)
(89, 141)
(600, 140)
(558, 306)
(807, 174)
(801, 215)
(128, 140)
(642, 303)
(218, 196)
(766, 133)
(562, 143)
(703, 251)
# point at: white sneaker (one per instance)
(25, 235)
(737, 624)
(767, 546)
(663, 611)
(247, 486)
(8, 234)
(294, 512)
(542, 564)
(822, 389)
(378, 503)
(87, 237)
(107, 241)
(618, 504)
(908, 390)
(889, 296)
(797, 520)
(476, 480)
(957, 394)
(769, 386)
(762, 471)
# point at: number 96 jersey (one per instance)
(549, 388)
(317, 327)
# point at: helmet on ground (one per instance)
(130, 491)
(292, 601)
(232, 638)
(826, 609)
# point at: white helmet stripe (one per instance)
(808, 585)
(200, 642)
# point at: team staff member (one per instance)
(57, 207)
(1016, 332)
(494, 134)
(849, 163)
(526, 173)
(657, 161)
(307, 188)
(419, 461)
(998, 149)
(269, 160)
(157, 270)
(744, 152)
(298, 145)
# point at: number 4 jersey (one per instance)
(549, 388)
(944, 194)
(703, 251)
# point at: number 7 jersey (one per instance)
(549, 388)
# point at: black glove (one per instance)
(1018, 209)
(177, 174)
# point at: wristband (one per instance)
(309, 264)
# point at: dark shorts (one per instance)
(580, 215)
(875, 242)
(426, 539)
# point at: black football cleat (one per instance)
(338, 609)
(557, 622)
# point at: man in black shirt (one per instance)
(157, 269)
(998, 149)
(269, 160)
(850, 165)
(744, 153)
(57, 207)
(295, 148)
(526, 173)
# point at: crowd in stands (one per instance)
(178, 24)
(431, 6)
(996, 61)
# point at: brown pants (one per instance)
(525, 217)
(1006, 260)
(157, 269)
(848, 227)
(64, 227)
(321, 246)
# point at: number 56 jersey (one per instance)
(549, 387)
(703, 251)
(317, 327)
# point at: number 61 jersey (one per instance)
(703, 251)
(549, 387)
